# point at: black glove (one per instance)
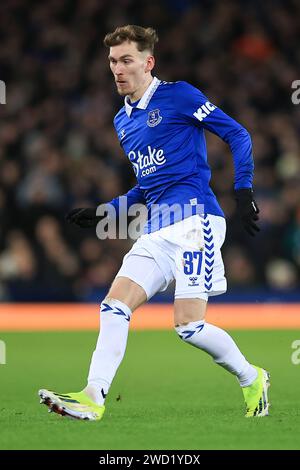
(84, 218)
(247, 209)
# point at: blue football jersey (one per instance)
(163, 137)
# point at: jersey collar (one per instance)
(144, 101)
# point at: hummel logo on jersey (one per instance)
(144, 165)
(204, 111)
(122, 134)
(193, 280)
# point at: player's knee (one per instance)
(189, 310)
(184, 317)
(127, 291)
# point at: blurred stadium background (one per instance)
(58, 149)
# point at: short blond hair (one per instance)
(145, 38)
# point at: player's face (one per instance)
(130, 67)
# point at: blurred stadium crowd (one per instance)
(58, 148)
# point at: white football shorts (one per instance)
(188, 252)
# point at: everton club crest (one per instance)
(154, 118)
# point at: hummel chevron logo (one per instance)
(115, 310)
(208, 271)
(209, 263)
(209, 247)
(106, 308)
(189, 333)
(209, 254)
(208, 239)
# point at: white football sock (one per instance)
(110, 348)
(218, 344)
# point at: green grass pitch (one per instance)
(166, 395)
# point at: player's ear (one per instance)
(150, 62)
